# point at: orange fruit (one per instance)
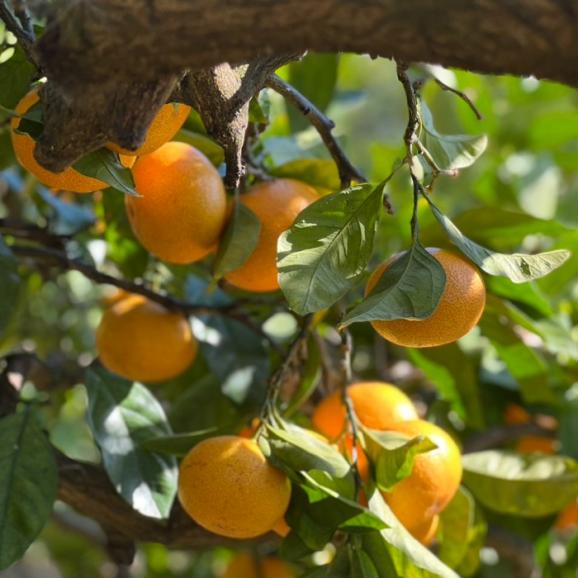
(163, 128)
(426, 531)
(434, 480)
(140, 340)
(281, 528)
(515, 414)
(276, 204)
(458, 311)
(532, 444)
(127, 161)
(247, 566)
(24, 145)
(377, 405)
(183, 206)
(568, 517)
(227, 486)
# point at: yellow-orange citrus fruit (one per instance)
(140, 340)
(163, 128)
(458, 311)
(227, 486)
(532, 444)
(434, 480)
(183, 206)
(515, 414)
(568, 517)
(426, 531)
(24, 145)
(377, 405)
(127, 161)
(276, 204)
(247, 566)
(281, 528)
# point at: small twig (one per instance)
(323, 125)
(32, 232)
(23, 14)
(25, 37)
(413, 124)
(461, 95)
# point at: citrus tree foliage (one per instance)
(501, 190)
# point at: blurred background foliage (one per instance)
(521, 194)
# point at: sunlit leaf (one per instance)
(104, 165)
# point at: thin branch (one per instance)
(30, 231)
(410, 136)
(23, 14)
(323, 125)
(25, 37)
(461, 95)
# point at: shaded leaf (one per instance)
(15, 78)
(456, 151)
(238, 242)
(212, 150)
(122, 415)
(410, 288)
(528, 485)
(104, 165)
(319, 173)
(328, 247)
(28, 484)
(9, 284)
(518, 267)
(178, 444)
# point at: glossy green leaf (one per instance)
(410, 288)
(122, 415)
(527, 294)
(396, 553)
(212, 150)
(525, 485)
(28, 484)
(363, 566)
(456, 151)
(328, 247)
(178, 444)
(393, 455)
(9, 284)
(15, 78)
(104, 165)
(239, 240)
(518, 267)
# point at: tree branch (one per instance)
(323, 125)
(20, 25)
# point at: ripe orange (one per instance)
(276, 203)
(24, 145)
(227, 486)
(163, 128)
(458, 311)
(247, 566)
(183, 206)
(377, 405)
(426, 531)
(568, 517)
(281, 528)
(434, 480)
(140, 340)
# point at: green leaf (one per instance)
(328, 247)
(299, 450)
(103, 164)
(462, 533)
(316, 77)
(526, 365)
(122, 415)
(569, 428)
(236, 355)
(396, 553)
(9, 284)
(529, 485)
(178, 444)
(311, 375)
(410, 288)
(122, 248)
(393, 455)
(238, 242)
(527, 294)
(456, 151)
(319, 173)
(362, 566)
(28, 484)
(15, 78)
(518, 267)
(455, 377)
(212, 150)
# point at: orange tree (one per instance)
(261, 342)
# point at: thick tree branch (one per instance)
(323, 125)
(20, 25)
